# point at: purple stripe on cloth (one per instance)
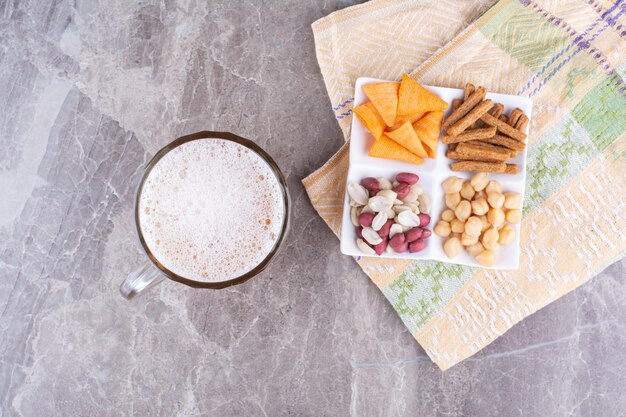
(582, 43)
(348, 101)
(342, 115)
(571, 31)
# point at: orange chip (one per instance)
(384, 96)
(410, 118)
(414, 99)
(384, 147)
(428, 129)
(406, 137)
(369, 117)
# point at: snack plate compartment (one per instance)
(432, 173)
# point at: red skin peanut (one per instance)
(413, 234)
(380, 248)
(402, 248)
(407, 177)
(371, 184)
(365, 219)
(403, 189)
(417, 245)
(397, 241)
(384, 231)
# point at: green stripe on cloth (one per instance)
(424, 289)
(602, 112)
(560, 154)
(525, 35)
(503, 11)
(571, 144)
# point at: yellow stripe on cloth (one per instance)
(326, 186)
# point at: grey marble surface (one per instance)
(88, 91)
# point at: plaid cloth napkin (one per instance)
(570, 57)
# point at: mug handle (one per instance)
(142, 278)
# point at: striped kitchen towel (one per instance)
(570, 57)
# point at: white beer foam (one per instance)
(211, 210)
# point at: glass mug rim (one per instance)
(205, 134)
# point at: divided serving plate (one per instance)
(432, 173)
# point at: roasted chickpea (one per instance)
(479, 181)
(495, 216)
(453, 200)
(463, 210)
(448, 215)
(506, 235)
(467, 239)
(452, 247)
(473, 226)
(495, 199)
(475, 249)
(443, 228)
(490, 239)
(467, 191)
(479, 195)
(452, 185)
(513, 216)
(457, 226)
(480, 207)
(512, 201)
(493, 187)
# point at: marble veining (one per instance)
(89, 90)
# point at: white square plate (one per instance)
(432, 173)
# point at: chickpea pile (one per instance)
(476, 217)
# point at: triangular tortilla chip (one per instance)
(411, 118)
(414, 99)
(384, 96)
(428, 129)
(406, 137)
(369, 117)
(387, 148)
